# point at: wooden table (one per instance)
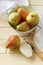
(17, 58)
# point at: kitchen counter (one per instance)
(17, 58)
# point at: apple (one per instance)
(14, 18)
(32, 18)
(13, 42)
(23, 13)
(23, 26)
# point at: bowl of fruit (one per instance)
(23, 19)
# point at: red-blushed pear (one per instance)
(32, 18)
(13, 42)
(23, 26)
(23, 13)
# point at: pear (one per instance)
(32, 18)
(23, 13)
(14, 18)
(23, 26)
(13, 42)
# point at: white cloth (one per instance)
(38, 39)
(7, 4)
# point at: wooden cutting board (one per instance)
(30, 39)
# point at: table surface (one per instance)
(17, 58)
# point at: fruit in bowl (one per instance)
(14, 18)
(32, 18)
(13, 42)
(23, 13)
(23, 19)
(23, 26)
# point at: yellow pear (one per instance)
(32, 18)
(14, 18)
(23, 26)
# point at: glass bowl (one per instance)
(28, 8)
